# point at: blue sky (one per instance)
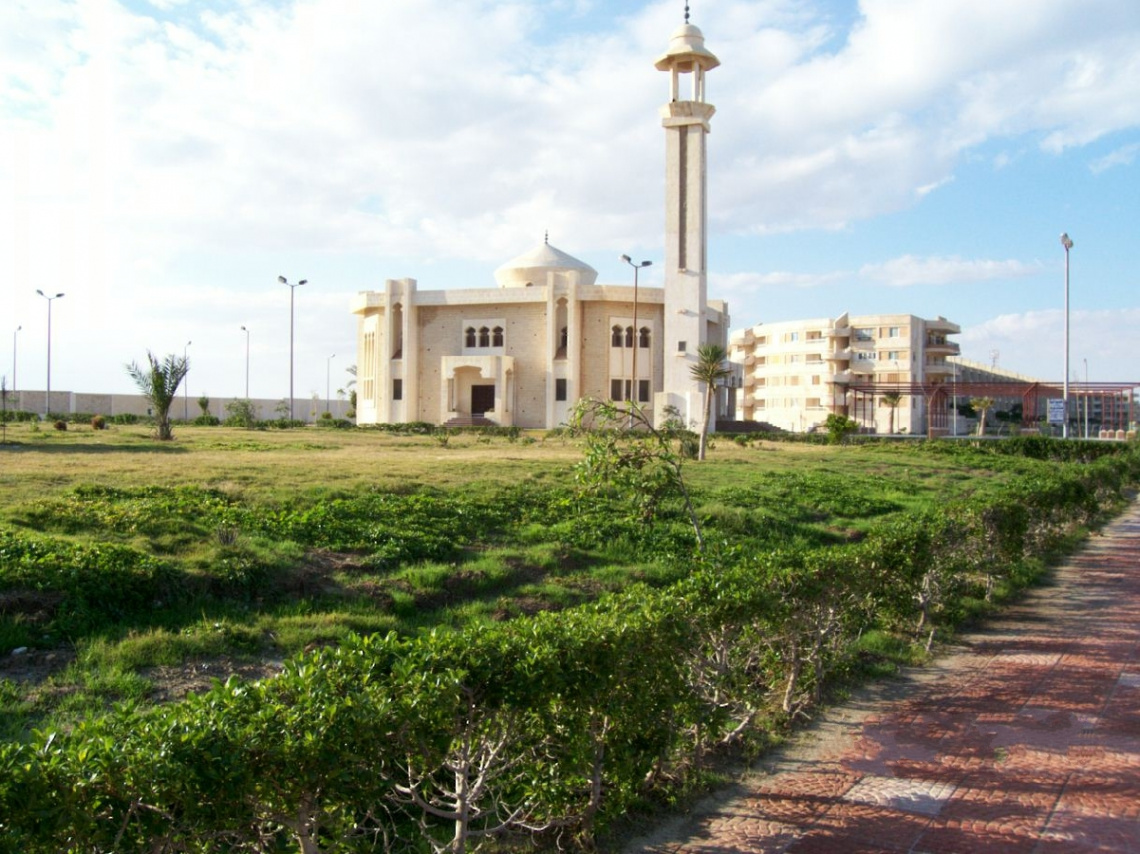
(163, 161)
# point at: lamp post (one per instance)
(186, 383)
(292, 292)
(1086, 396)
(15, 387)
(954, 405)
(246, 331)
(634, 396)
(1068, 244)
(328, 369)
(47, 399)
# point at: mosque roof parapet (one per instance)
(531, 268)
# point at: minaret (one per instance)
(686, 123)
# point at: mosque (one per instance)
(524, 352)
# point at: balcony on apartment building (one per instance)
(939, 344)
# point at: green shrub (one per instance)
(98, 423)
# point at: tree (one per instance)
(892, 399)
(709, 369)
(981, 405)
(159, 385)
(626, 453)
(838, 426)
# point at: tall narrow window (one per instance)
(397, 389)
(469, 337)
(397, 331)
(497, 337)
(643, 338)
(629, 336)
(615, 338)
(615, 390)
(643, 391)
(563, 339)
(484, 336)
(560, 389)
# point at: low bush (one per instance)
(556, 721)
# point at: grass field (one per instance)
(227, 550)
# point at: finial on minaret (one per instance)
(546, 237)
(686, 13)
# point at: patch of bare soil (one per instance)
(34, 666)
(175, 682)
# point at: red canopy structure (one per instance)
(1110, 401)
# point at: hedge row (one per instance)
(553, 725)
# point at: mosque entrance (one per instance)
(482, 399)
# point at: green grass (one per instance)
(268, 543)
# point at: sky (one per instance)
(162, 162)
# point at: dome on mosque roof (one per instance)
(531, 268)
(686, 48)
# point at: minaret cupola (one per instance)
(687, 54)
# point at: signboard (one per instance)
(1056, 410)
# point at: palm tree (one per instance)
(159, 385)
(709, 369)
(892, 399)
(981, 405)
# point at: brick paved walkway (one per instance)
(1026, 738)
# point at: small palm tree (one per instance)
(892, 399)
(981, 405)
(709, 369)
(159, 385)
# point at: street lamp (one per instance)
(186, 383)
(15, 387)
(328, 368)
(47, 399)
(1086, 396)
(636, 336)
(292, 292)
(1068, 244)
(246, 331)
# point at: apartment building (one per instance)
(879, 369)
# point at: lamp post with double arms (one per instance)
(47, 398)
(292, 292)
(634, 396)
(246, 331)
(1068, 244)
(15, 385)
(186, 382)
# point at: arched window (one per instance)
(615, 336)
(643, 337)
(497, 337)
(629, 336)
(484, 336)
(563, 338)
(469, 339)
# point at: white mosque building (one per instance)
(524, 352)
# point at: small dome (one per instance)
(686, 49)
(532, 267)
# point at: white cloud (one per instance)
(1033, 343)
(909, 270)
(134, 147)
(734, 284)
(1123, 156)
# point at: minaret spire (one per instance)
(686, 124)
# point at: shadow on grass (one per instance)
(44, 448)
